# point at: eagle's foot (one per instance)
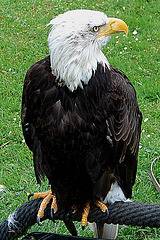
(84, 214)
(86, 210)
(47, 198)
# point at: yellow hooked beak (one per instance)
(115, 25)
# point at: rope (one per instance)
(128, 213)
(156, 184)
(53, 236)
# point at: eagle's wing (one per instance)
(125, 125)
(37, 80)
(120, 143)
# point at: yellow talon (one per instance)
(54, 203)
(101, 205)
(85, 215)
(43, 205)
(42, 194)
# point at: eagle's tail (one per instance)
(110, 231)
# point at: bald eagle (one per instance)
(80, 115)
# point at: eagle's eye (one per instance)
(95, 29)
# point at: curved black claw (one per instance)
(83, 227)
(30, 195)
(39, 221)
(52, 214)
(107, 212)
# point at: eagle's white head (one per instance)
(75, 42)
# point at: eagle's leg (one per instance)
(85, 214)
(47, 198)
(102, 206)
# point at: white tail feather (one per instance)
(110, 231)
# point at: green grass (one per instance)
(23, 41)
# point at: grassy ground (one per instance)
(23, 41)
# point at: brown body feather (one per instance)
(85, 139)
